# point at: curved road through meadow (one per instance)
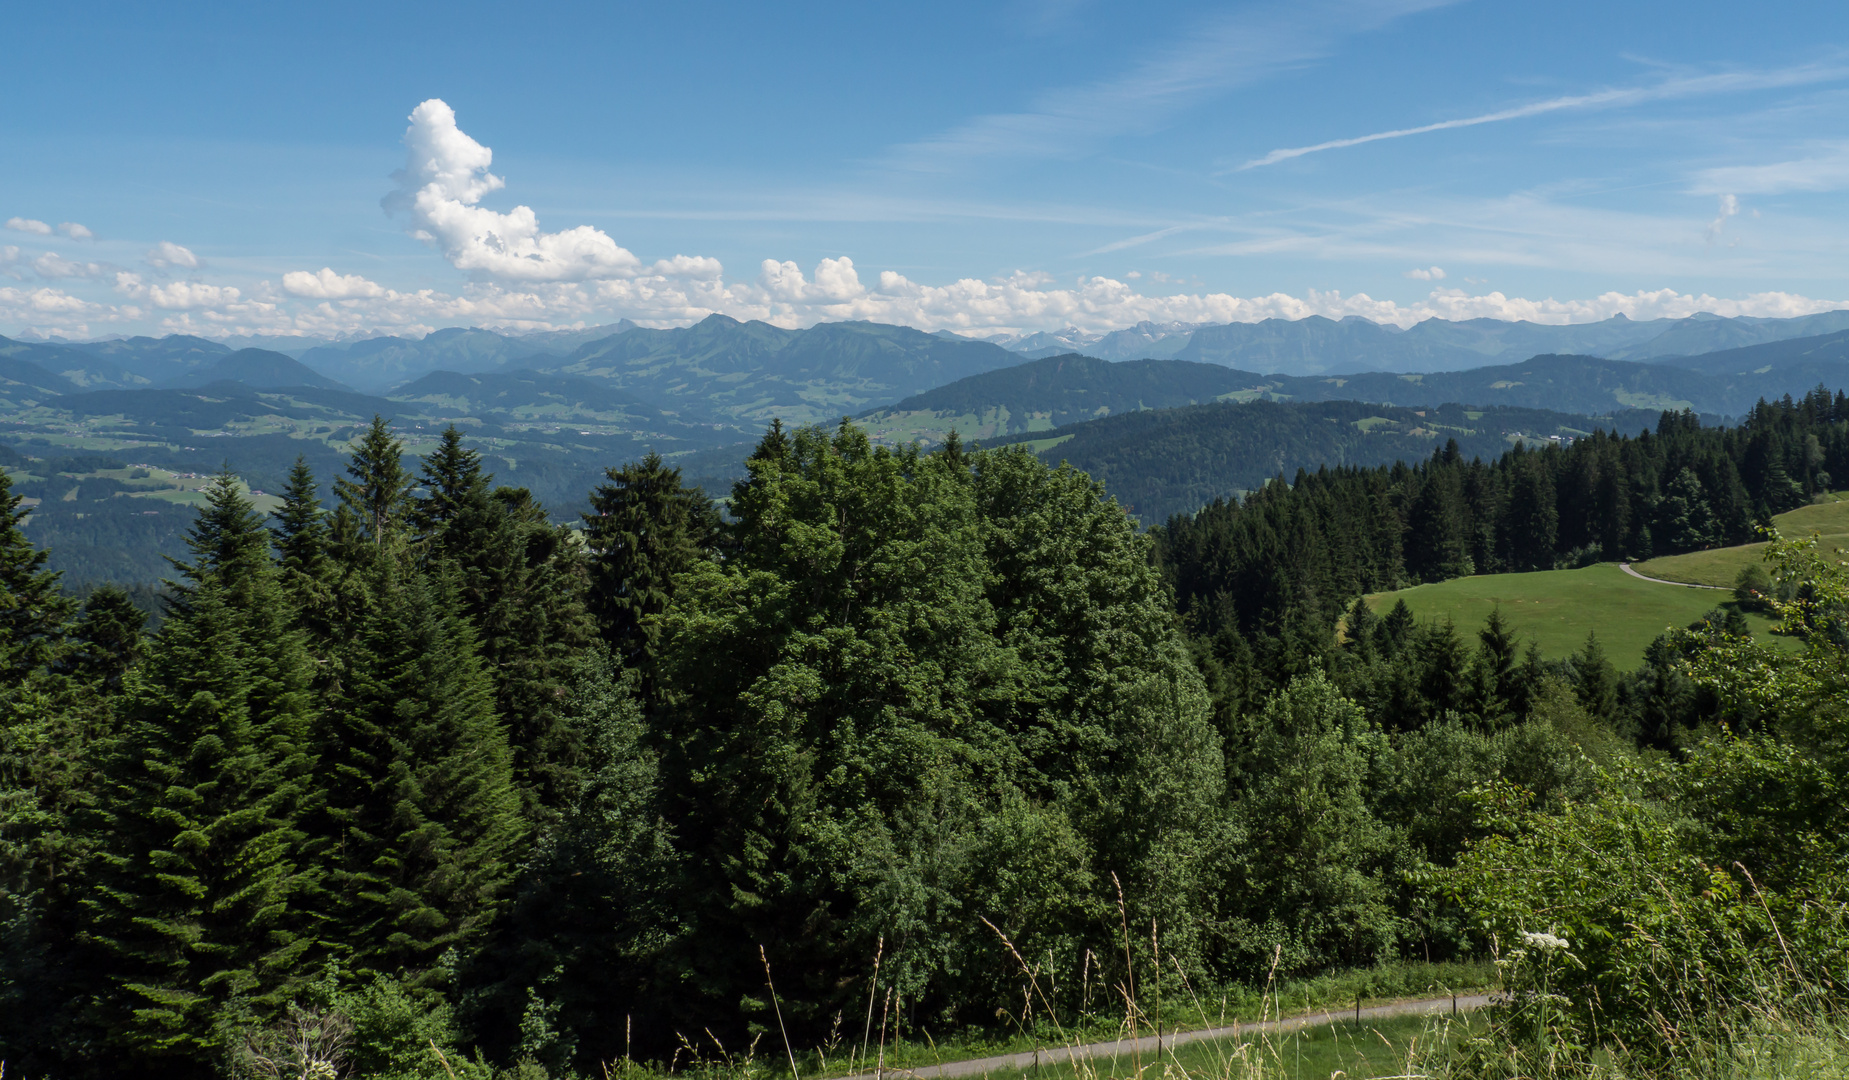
(1151, 1044)
(1626, 567)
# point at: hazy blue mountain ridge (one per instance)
(1044, 394)
(256, 368)
(1824, 354)
(1318, 345)
(722, 370)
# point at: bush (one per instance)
(377, 1029)
(1753, 587)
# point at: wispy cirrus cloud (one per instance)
(1232, 51)
(1824, 171)
(1677, 87)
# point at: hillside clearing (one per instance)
(1828, 520)
(1557, 608)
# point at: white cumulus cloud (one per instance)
(1428, 274)
(28, 225)
(835, 282)
(327, 285)
(445, 177)
(178, 296)
(75, 231)
(689, 266)
(168, 255)
(53, 265)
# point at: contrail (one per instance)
(1702, 84)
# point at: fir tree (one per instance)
(644, 529)
(456, 489)
(520, 581)
(301, 528)
(227, 541)
(33, 613)
(107, 638)
(378, 487)
(1595, 679)
(421, 816)
(203, 895)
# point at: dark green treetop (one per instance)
(646, 527)
(376, 487)
(204, 894)
(33, 613)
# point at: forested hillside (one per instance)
(1160, 463)
(470, 786)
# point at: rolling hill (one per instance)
(256, 368)
(1162, 462)
(721, 369)
(1043, 394)
(1053, 392)
(534, 397)
(377, 364)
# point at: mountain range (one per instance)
(549, 412)
(1317, 345)
(720, 348)
(1060, 390)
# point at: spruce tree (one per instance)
(33, 613)
(645, 528)
(106, 638)
(520, 582)
(456, 490)
(1595, 679)
(301, 527)
(378, 487)
(1437, 543)
(1530, 519)
(50, 726)
(203, 896)
(1503, 690)
(421, 816)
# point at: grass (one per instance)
(1184, 1012)
(1828, 518)
(1343, 1048)
(1557, 608)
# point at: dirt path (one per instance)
(1626, 567)
(1151, 1044)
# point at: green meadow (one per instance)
(1828, 520)
(1556, 609)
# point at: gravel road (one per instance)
(1150, 1044)
(1626, 567)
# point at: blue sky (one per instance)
(991, 167)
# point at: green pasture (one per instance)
(1828, 519)
(1556, 609)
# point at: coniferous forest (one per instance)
(494, 796)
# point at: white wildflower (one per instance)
(1545, 941)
